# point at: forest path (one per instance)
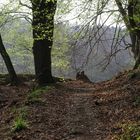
(69, 114)
(83, 116)
(85, 111)
(72, 110)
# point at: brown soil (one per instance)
(72, 110)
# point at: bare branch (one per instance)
(25, 5)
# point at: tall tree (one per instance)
(7, 60)
(5, 18)
(131, 16)
(43, 25)
(130, 12)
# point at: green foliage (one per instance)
(6, 8)
(23, 112)
(63, 7)
(130, 132)
(137, 101)
(131, 75)
(19, 124)
(134, 74)
(17, 37)
(35, 95)
(60, 50)
(18, 40)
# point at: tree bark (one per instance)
(12, 74)
(132, 25)
(43, 26)
(136, 51)
(42, 60)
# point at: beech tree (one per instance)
(128, 11)
(131, 16)
(5, 18)
(7, 60)
(43, 25)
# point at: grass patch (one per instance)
(35, 95)
(131, 75)
(134, 74)
(130, 132)
(20, 122)
(20, 111)
(137, 101)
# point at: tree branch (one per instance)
(25, 5)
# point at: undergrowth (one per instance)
(130, 132)
(20, 121)
(19, 124)
(35, 95)
(137, 101)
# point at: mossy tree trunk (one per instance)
(43, 26)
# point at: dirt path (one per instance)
(71, 115)
(82, 115)
(70, 111)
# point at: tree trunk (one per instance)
(7, 60)
(132, 25)
(43, 26)
(133, 12)
(42, 60)
(136, 51)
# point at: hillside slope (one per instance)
(72, 110)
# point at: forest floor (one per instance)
(72, 110)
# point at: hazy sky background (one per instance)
(78, 14)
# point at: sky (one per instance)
(74, 17)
